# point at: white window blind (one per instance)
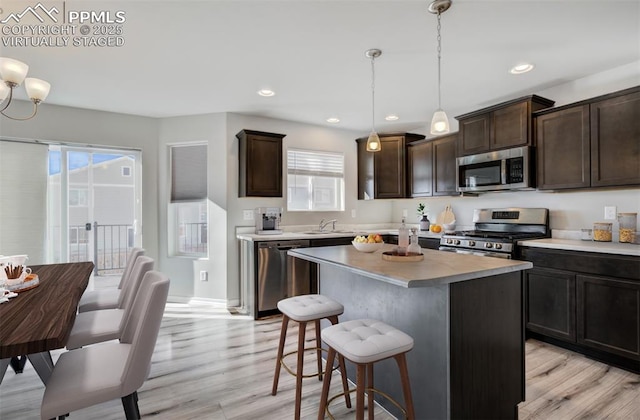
(188, 172)
(313, 163)
(23, 207)
(315, 180)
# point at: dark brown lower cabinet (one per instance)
(586, 302)
(551, 305)
(608, 315)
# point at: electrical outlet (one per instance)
(204, 275)
(247, 214)
(610, 213)
(404, 213)
(353, 213)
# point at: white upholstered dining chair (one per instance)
(108, 324)
(84, 377)
(93, 300)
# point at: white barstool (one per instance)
(364, 342)
(304, 309)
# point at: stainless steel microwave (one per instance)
(509, 169)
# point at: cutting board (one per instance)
(446, 216)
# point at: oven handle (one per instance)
(474, 252)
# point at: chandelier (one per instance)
(12, 74)
(439, 122)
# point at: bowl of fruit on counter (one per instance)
(370, 243)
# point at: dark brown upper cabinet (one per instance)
(260, 165)
(420, 168)
(383, 174)
(431, 167)
(501, 126)
(615, 140)
(563, 149)
(592, 143)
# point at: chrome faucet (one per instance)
(324, 224)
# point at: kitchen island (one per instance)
(464, 313)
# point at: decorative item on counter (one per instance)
(370, 243)
(449, 227)
(627, 228)
(423, 217)
(403, 239)
(602, 231)
(446, 216)
(586, 234)
(414, 246)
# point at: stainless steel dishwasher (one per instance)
(280, 276)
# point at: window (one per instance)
(125, 171)
(78, 197)
(315, 180)
(188, 208)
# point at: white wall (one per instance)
(184, 272)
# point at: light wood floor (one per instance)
(209, 364)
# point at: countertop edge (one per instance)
(615, 248)
(413, 283)
(285, 236)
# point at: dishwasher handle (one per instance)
(286, 248)
(283, 245)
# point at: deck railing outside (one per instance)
(111, 246)
(112, 243)
(193, 238)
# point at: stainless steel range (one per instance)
(496, 231)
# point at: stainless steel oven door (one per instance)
(479, 253)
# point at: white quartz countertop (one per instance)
(252, 237)
(438, 267)
(587, 246)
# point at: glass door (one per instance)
(94, 206)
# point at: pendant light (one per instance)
(439, 122)
(373, 142)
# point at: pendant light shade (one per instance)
(373, 142)
(37, 89)
(439, 122)
(12, 74)
(13, 71)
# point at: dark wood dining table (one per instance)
(40, 319)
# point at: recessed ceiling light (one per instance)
(266, 92)
(521, 68)
(392, 117)
(333, 120)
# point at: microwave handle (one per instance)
(503, 171)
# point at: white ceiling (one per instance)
(197, 57)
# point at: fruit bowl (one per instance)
(367, 246)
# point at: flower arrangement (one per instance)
(422, 209)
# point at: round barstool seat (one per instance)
(364, 342)
(304, 309)
(310, 307)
